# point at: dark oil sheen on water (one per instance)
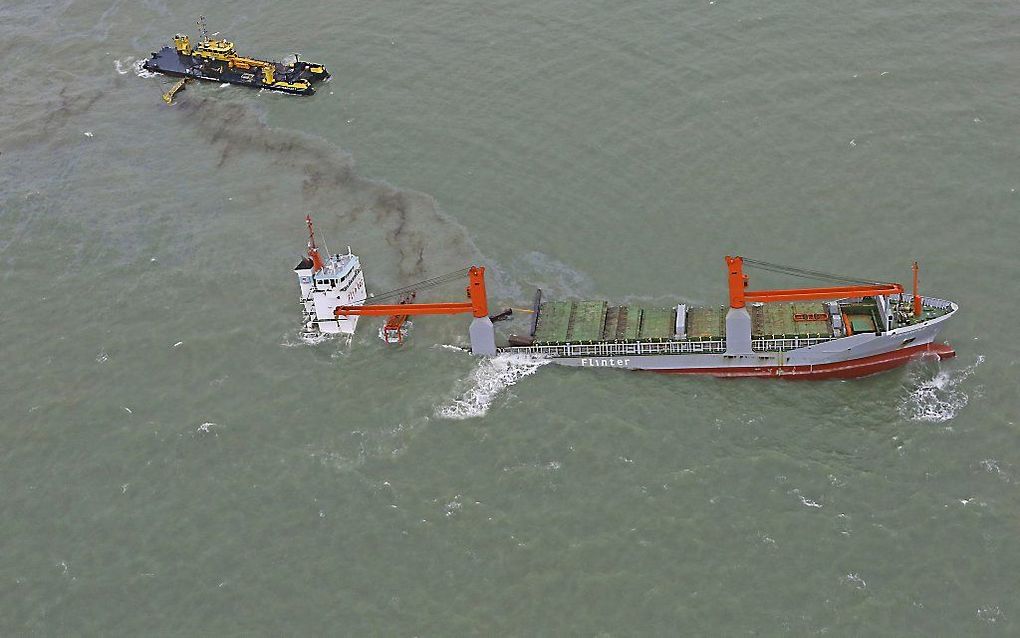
(175, 460)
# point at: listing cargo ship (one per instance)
(217, 61)
(325, 283)
(852, 329)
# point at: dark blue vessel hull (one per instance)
(169, 62)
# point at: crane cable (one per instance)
(808, 274)
(421, 285)
(762, 265)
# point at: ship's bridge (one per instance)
(216, 50)
(337, 271)
(221, 47)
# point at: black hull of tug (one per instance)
(169, 62)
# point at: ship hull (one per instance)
(848, 357)
(169, 62)
(850, 369)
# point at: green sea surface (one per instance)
(176, 461)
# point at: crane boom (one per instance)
(382, 310)
(739, 295)
(478, 306)
(480, 332)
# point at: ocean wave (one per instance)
(298, 339)
(936, 397)
(487, 381)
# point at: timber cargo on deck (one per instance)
(217, 61)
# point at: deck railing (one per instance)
(932, 302)
(715, 346)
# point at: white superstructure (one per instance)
(326, 284)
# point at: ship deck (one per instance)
(587, 321)
(169, 62)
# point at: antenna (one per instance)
(329, 255)
(203, 30)
(313, 250)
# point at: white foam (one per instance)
(937, 398)
(487, 381)
(855, 579)
(808, 502)
(142, 72)
(117, 64)
(309, 339)
(990, 614)
(313, 339)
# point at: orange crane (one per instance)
(393, 331)
(739, 295)
(483, 337)
(738, 320)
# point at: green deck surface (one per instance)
(632, 322)
(657, 323)
(574, 321)
(560, 321)
(861, 323)
(706, 322)
(778, 318)
(552, 321)
(587, 321)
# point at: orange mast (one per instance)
(313, 250)
(739, 296)
(917, 298)
(737, 279)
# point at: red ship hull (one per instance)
(842, 370)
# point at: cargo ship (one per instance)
(851, 329)
(217, 61)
